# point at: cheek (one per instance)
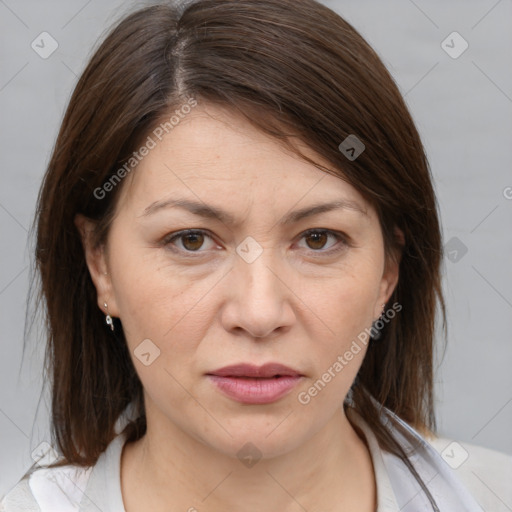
(162, 307)
(168, 311)
(344, 302)
(340, 311)
(154, 301)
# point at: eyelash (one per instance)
(168, 241)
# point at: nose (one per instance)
(259, 299)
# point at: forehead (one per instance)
(214, 154)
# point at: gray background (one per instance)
(463, 110)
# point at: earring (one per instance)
(375, 328)
(108, 318)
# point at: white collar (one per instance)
(397, 489)
(386, 500)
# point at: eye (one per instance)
(317, 239)
(190, 240)
(199, 241)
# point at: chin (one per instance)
(257, 436)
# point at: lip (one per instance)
(251, 384)
(250, 370)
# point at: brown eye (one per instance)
(324, 241)
(190, 241)
(317, 239)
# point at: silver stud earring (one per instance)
(375, 329)
(108, 318)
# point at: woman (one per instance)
(239, 252)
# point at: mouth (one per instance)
(249, 384)
(265, 371)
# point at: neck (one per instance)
(332, 470)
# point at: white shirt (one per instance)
(443, 466)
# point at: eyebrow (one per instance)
(212, 212)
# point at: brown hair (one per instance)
(293, 68)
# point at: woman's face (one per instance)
(268, 275)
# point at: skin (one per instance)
(297, 304)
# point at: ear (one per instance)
(96, 259)
(391, 274)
